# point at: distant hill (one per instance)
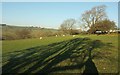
(5, 26)
(11, 32)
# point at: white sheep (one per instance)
(63, 35)
(40, 37)
(73, 35)
(56, 35)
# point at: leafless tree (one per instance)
(96, 14)
(68, 25)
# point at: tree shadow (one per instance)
(90, 68)
(51, 58)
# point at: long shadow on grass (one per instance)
(61, 56)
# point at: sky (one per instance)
(50, 14)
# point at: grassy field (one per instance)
(79, 54)
(14, 45)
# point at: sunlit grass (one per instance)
(13, 45)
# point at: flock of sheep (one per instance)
(57, 36)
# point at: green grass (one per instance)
(13, 45)
(62, 54)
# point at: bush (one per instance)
(9, 36)
(75, 32)
(23, 34)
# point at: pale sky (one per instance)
(50, 14)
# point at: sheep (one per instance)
(56, 35)
(63, 35)
(40, 37)
(73, 35)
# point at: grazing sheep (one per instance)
(114, 31)
(63, 35)
(56, 35)
(73, 35)
(40, 37)
(110, 30)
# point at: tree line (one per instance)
(90, 22)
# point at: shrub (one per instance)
(9, 36)
(23, 34)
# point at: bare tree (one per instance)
(96, 14)
(68, 25)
